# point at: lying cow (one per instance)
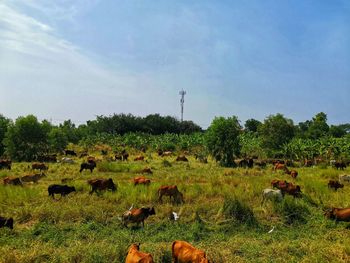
(272, 194)
(39, 166)
(12, 180)
(63, 190)
(139, 158)
(5, 164)
(6, 222)
(137, 215)
(141, 180)
(344, 178)
(136, 256)
(170, 191)
(184, 252)
(101, 184)
(87, 166)
(67, 160)
(335, 185)
(339, 214)
(181, 158)
(32, 178)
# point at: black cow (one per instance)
(70, 152)
(6, 222)
(60, 189)
(90, 165)
(4, 163)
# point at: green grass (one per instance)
(222, 214)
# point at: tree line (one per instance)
(26, 137)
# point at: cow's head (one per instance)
(330, 213)
(151, 211)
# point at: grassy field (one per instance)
(222, 214)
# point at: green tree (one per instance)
(252, 125)
(276, 131)
(318, 127)
(26, 138)
(222, 140)
(57, 139)
(4, 123)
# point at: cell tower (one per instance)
(182, 101)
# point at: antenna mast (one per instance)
(182, 101)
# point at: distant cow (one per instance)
(39, 166)
(184, 252)
(70, 152)
(308, 163)
(137, 215)
(292, 173)
(339, 214)
(344, 178)
(335, 185)
(12, 181)
(67, 160)
(139, 158)
(293, 190)
(6, 222)
(181, 158)
(170, 191)
(280, 166)
(167, 153)
(63, 190)
(32, 178)
(101, 184)
(340, 165)
(87, 166)
(5, 164)
(272, 195)
(141, 180)
(136, 256)
(279, 184)
(246, 163)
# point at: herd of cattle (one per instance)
(181, 250)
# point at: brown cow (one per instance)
(335, 185)
(292, 173)
(39, 166)
(101, 184)
(12, 180)
(5, 163)
(172, 192)
(32, 177)
(181, 158)
(280, 166)
(141, 180)
(137, 215)
(184, 252)
(293, 190)
(136, 256)
(139, 158)
(339, 214)
(279, 184)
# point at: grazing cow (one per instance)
(343, 178)
(67, 160)
(293, 190)
(272, 195)
(279, 184)
(101, 184)
(136, 256)
(63, 190)
(292, 173)
(280, 166)
(141, 180)
(70, 152)
(39, 166)
(87, 166)
(339, 214)
(139, 158)
(5, 164)
(335, 185)
(6, 222)
(183, 252)
(170, 191)
(308, 163)
(246, 163)
(13, 181)
(181, 158)
(32, 177)
(340, 165)
(137, 215)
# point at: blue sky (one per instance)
(77, 59)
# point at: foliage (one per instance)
(236, 209)
(252, 125)
(4, 122)
(222, 140)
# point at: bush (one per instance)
(293, 211)
(237, 210)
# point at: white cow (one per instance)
(67, 160)
(344, 178)
(272, 194)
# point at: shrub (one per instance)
(237, 210)
(293, 211)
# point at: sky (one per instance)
(65, 59)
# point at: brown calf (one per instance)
(136, 256)
(184, 252)
(172, 192)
